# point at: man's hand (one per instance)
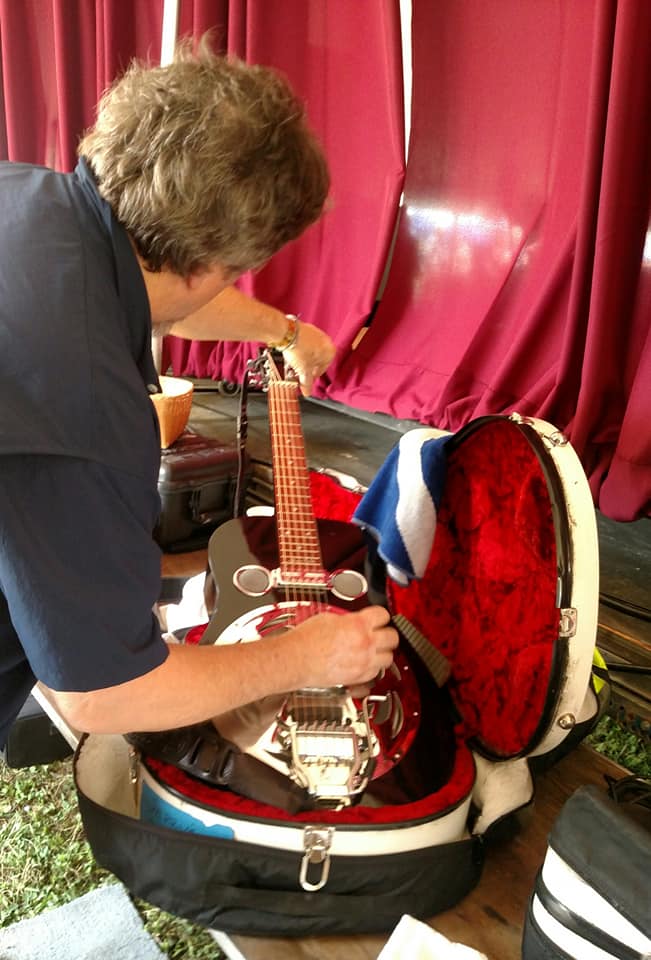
(197, 682)
(310, 355)
(349, 649)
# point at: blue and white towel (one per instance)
(400, 506)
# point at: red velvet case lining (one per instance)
(488, 598)
(487, 601)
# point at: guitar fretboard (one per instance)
(298, 537)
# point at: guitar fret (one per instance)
(298, 536)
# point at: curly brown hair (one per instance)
(206, 161)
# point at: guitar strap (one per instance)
(201, 752)
(252, 373)
(242, 433)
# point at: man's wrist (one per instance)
(291, 334)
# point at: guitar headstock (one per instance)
(269, 367)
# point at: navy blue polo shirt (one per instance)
(79, 443)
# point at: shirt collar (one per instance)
(128, 277)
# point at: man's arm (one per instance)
(196, 683)
(234, 316)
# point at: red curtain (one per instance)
(57, 57)
(521, 274)
(612, 426)
(344, 60)
(521, 278)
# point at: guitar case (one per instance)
(508, 601)
(592, 896)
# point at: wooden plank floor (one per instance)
(491, 918)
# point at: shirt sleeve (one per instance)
(80, 570)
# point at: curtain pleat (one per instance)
(611, 429)
(520, 278)
(4, 149)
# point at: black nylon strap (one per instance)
(201, 752)
(242, 433)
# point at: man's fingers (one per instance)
(376, 617)
(379, 620)
(306, 381)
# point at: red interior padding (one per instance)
(488, 598)
(331, 501)
(487, 601)
(454, 791)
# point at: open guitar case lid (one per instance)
(510, 599)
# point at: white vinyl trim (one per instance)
(363, 840)
(572, 890)
(226, 945)
(584, 598)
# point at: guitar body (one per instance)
(323, 739)
(253, 541)
(270, 574)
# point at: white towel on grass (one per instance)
(101, 925)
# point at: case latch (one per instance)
(134, 773)
(316, 843)
(567, 625)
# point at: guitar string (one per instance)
(298, 524)
(295, 507)
(282, 462)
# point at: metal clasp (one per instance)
(134, 773)
(316, 843)
(567, 624)
(556, 439)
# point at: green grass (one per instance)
(621, 745)
(46, 862)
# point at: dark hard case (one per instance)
(592, 896)
(197, 484)
(33, 739)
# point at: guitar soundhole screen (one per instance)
(252, 580)
(348, 585)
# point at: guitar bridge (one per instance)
(331, 745)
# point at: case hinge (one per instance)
(555, 439)
(567, 624)
(316, 844)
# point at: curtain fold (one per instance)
(57, 58)
(611, 429)
(4, 149)
(344, 61)
(519, 280)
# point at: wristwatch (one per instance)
(291, 334)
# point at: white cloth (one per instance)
(415, 940)
(190, 611)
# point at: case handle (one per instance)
(204, 517)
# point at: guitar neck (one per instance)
(298, 538)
